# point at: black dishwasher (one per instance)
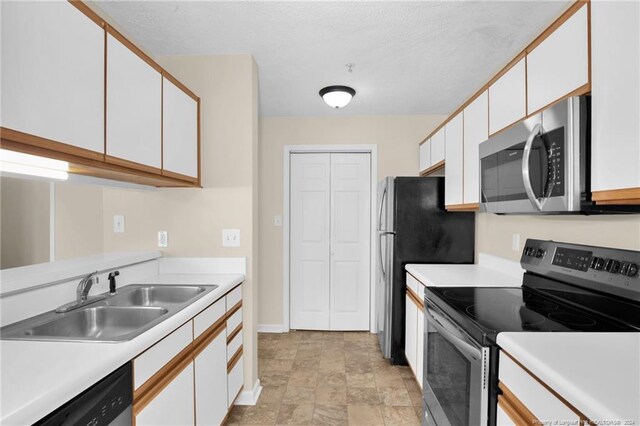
(108, 402)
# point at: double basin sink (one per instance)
(121, 317)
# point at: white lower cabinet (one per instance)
(192, 376)
(528, 399)
(414, 327)
(410, 340)
(211, 382)
(173, 405)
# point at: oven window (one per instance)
(449, 374)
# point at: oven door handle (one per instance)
(452, 333)
(526, 175)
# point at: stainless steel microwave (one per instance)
(539, 165)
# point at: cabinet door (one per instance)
(173, 405)
(476, 131)
(615, 140)
(235, 378)
(425, 155)
(560, 64)
(134, 107)
(454, 161)
(410, 338)
(507, 98)
(53, 74)
(438, 146)
(211, 382)
(180, 131)
(419, 345)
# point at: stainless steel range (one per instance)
(566, 287)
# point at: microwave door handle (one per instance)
(526, 175)
(454, 337)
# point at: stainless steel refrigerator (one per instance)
(413, 227)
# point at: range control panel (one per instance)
(613, 271)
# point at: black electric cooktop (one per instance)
(547, 306)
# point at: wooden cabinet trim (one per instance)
(132, 165)
(234, 309)
(10, 135)
(515, 409)
(175, 175)
(546, 33)
(571, 407)
(208, 336)
(88, 12)
(132, 47)
(434, 168)
(234, 333)
(468, 207)
(617, 196)
(415, 298)
(161, 379)
(234, 359)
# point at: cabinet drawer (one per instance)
(157, 356)
(234, 297)
(234, 345)
(208, 317)
(537, 399)
(234, 380)
(234, 321)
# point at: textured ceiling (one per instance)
(421, 57)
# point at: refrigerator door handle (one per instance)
(382, 200)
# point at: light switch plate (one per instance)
(163, 239)
(118, 223)
(230, 238)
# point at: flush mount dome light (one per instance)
(337, 96)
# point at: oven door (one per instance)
(456, 385)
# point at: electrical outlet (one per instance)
(277, 220)
(230, 238)
(515, 242)
(118, 223)
(163, 239)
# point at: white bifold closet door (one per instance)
(330, 241)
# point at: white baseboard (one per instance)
(249, 397)
(270, 328)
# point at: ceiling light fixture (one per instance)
(32, 165)
(337, 96)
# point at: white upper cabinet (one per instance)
(454, 169)
(53, 73)
(180, 131)
(507, 98)
(134, 107)
(476, 131)
(560, 63)
(615, 90)
(425, 155)
(438, 146)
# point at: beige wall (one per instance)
(78, 220)
(194, 218)
(24, 218)
(397, 140)
(494, 233)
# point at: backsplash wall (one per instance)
(494, 233)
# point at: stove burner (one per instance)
(458, 295)
(572, 319)
(495, 317)
(543, 305)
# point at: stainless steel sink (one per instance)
(154, 295)
(121, 317)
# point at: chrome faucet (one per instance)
(82, 294)
(85, 285)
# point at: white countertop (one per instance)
(437, 275)
(599, 373)
(38, 377)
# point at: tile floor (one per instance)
(329, 378)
